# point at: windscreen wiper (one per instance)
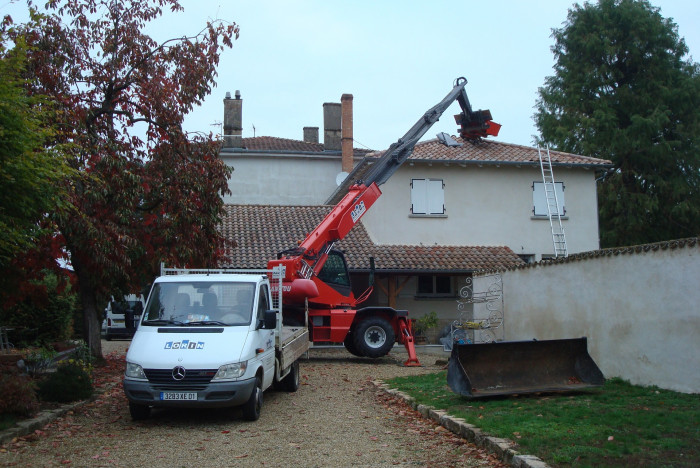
(206, 322)
(164, 322)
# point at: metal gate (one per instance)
(480, 313)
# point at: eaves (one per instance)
(275, 154)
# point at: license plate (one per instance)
(187, 396)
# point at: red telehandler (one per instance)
(317, 275)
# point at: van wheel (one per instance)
(252, 407)
(139, 412)
(291, 382)
(374, 337)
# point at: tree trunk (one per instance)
(92, 318)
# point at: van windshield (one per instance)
(198, 303)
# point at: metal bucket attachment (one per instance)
(519, 367)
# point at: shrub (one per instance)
(69, 383)
(43, 317)
(81, 357)
(18, 395)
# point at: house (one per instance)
(447, 212)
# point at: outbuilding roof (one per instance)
(261, 231)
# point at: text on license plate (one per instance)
(178, 396)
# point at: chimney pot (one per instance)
(310, 134)
(347, 137)
(233, 121)
(332, 126)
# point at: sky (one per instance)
(397, 59)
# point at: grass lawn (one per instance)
(616, 425)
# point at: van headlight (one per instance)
(134, 371)
(231, 371)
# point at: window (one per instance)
(427, 196)
(335, 273)
(539, 199)
(263, 304)
(434, 286)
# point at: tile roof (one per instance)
(495, 152)
(690, 242)
(261, 231)
(472, 152)
(266, 143)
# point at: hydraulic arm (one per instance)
(333, 313)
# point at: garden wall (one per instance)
(638, 306)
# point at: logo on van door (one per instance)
(184, 344)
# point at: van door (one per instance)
(265, 338)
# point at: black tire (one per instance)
(139, 412)
(252, 407)
(374, 337)
(291, 382)
(350, 345)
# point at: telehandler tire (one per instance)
(374, 337)
(349, 344)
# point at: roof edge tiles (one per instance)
(690, 242)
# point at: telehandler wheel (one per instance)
(252, 407)
(350, 345)
(139, 412)
(374, 337)
(291, 382)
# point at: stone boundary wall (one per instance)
(639, 307)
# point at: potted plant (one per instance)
(422, 325)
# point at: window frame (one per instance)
(433, 293)
(428, 197)
(539, 199)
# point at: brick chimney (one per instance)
(331, 126)
(346, 110)
(233, 121)
(310, 134)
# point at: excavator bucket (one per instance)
(520, 367)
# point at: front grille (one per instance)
(195, 379)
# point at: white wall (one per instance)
(281, 180)
(485, 206)
(640, 312)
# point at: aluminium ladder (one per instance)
(553, 212)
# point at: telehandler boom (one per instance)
(317, 273)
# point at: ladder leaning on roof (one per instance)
(553, 212)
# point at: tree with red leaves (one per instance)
(141, 190)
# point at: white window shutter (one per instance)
(436, 197)
(539, 199)
(419, 202)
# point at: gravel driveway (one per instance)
(337, 418)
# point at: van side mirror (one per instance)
(371, 271)
(270, 320)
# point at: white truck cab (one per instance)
(211, 338)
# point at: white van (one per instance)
(211, 340)
(122, 317)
